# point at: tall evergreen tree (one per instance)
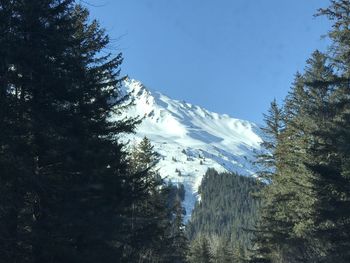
(156, 219)
(288, 216)
(223, 253)
(65, 176)
(274, 125)
(146, 214)
(331, 148)
(178, 241)
(264, 239)
(200, 251)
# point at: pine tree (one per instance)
(306, 106)
(14, 162)
(293, 216)
(150, 216)
(264, 238)
(63, 165)
(200, 251)
(331, 147)
(223, 253)
(143, 155)
(274, 125)
(179, 243)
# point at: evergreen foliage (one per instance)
(156, 218)
(179, 242)
(227, 207)
(200, 251)
(304, 216)
(224, 215)
(69, 192)
(223, 253)
(63, 174)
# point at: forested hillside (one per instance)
(74, 188)
(227, 206)
(190, 139)
(226, 211)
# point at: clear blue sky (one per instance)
(229, 56)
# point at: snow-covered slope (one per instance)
(191, 139)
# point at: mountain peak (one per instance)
(191, 139)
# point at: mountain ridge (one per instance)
(191, 139)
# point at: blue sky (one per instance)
(229, 56)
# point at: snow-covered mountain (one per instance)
(191, 139)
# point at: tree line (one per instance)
(70, 190)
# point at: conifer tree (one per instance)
(14, 166)
(63, 165)
(200, 250)
(179, 243)
(287, 214)
(156, 225)
(294, 220)
(274, 125)
(267, 162)
(331, 147)
(223, 253)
